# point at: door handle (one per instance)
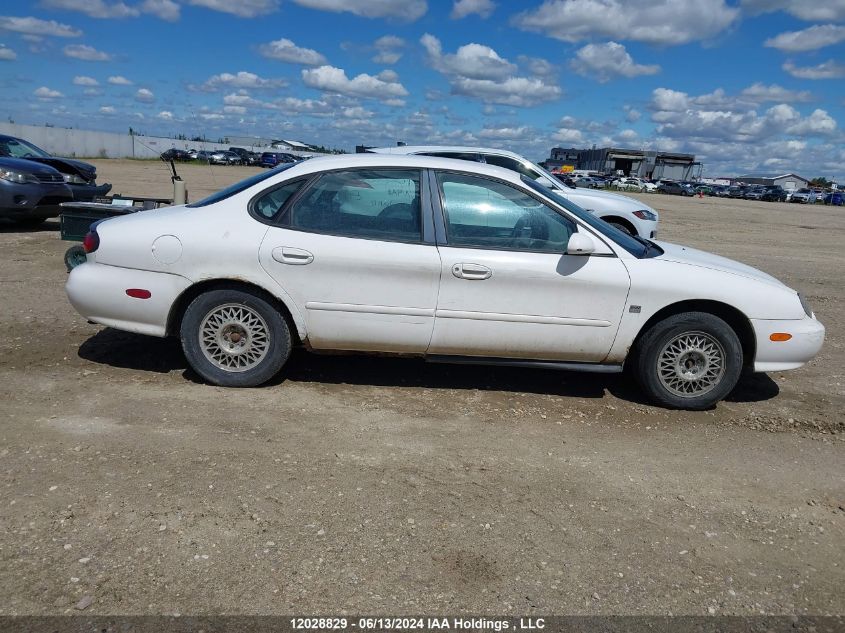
(292, 256)
(471, 271)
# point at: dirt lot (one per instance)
(392, 486)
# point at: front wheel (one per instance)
(235, 338)
(688, 361)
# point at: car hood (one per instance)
(69, 166)
(694, 257)
(587, 197)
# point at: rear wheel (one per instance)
(74, 256)
(688, 361)
(235, 338)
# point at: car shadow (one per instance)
(145, 353)
(8, 226)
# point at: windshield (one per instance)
(243, 185)
(16, 148)
(637, 246)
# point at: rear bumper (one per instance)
(807, 338)
(98, 293)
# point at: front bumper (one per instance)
(807, 338)
(87, 193)
(98, 293)
(30, 200)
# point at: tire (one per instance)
(621, 227)
(246, 342)
(705, 344)
(29, 223)
(74, 256)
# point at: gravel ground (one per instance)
(374, 485)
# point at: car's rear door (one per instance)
(352, 252)
(507, 287)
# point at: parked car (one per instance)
(176, 154)
(720, 191)
(630, 184)
(273, 159)
(754, 192)
(674, 188)
(566, 180)
(736, 191)
(774, 193)
(804, 195)
(244, 154)
(626, 214)
(836, 198)
(224, 157)
(204, 156)
(473, 264)
(80, 177)
(704, 190)
(29, 192)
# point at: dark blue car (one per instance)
(836, 198)
(273, 159)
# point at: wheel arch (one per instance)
(735, 318)
(620, 220)
(177, 310)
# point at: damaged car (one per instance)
(80, 177)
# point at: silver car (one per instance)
(30, 192)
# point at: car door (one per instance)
(351, 251)
(507, 287)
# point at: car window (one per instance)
(269, 204)
(485, 213)
(370, 203)
(16, 148)
(512, 164)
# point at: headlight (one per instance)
(17, 176)
(807, 309)
(645, 214)
(75, 180)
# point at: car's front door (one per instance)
(351, 253)
(507, 287)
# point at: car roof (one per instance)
(352, 161)
(417, 149)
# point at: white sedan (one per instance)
(439, 258)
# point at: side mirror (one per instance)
(580, 244)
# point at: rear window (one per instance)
(243, 185)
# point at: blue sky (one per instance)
(744, 84)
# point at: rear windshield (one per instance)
(243, 185)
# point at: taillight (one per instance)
(91, 242)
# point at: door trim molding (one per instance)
(519, 318)
(369, 309)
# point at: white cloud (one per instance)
(387, 48)
(604, 62)
(537, 66)
(144, 96)
(463, 8)
(242, 80)
(47, 94)
(86, 53)
(107, 110)
(94, 8)
(665, 22)
(632, 115)
(119, 80)
(514, 91)
(163, 9)
(809, 39)
(828, 70)
(234, 109)
(815, 10)
(401, 10)
(82, 80)
(474, 61)
(242, 8)
(34, 26)
(759, 92)
(7, 54)
(569, 135)
(818, 123)
(165, 115)
(286, 51)
(477, 71)
(505, 133)
(628, 136)
(332, 79)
